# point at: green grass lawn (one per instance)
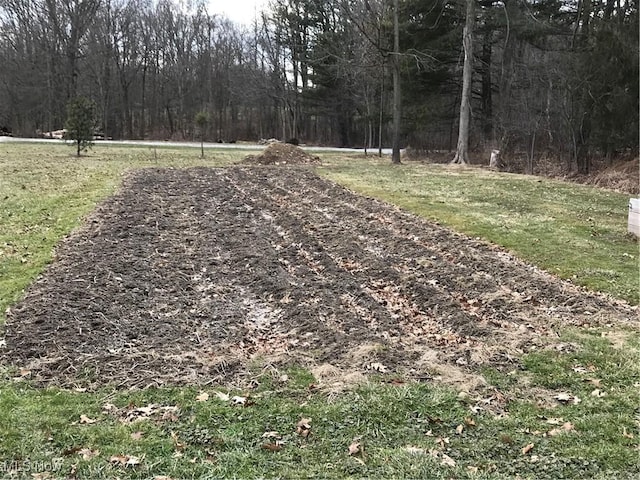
(393, 429)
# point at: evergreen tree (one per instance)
(80, 124)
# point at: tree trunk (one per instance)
(397, 94)
(462, 150)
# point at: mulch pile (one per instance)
(282, 154)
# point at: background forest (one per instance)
(552, 79)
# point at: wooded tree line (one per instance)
(557, 78)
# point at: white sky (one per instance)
(239, 11)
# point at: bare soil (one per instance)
(204, 275)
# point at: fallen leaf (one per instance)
(625, 433)
(124, 460)
(598, 393)
(459, 429)
(202, 397)
(303, 427)
(563, 397)
(378, 367)
(88, 454)
(596, 382)
(567, 427)
(136, 436)
(527, 448)
(442, 441)
(239, 400)
(472, 469)
(567, 398)
(271, 434)
(554, 421)
(470, 422)
(86, 420)
(429, 433)
(41, 476)
(222, 396)
(162, 477)
(355, 448)
(272, 447)
(415, 450)
(447, 460)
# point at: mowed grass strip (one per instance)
(376, 430)
(394, 429)
(574, 231)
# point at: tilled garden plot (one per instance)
(206, 275)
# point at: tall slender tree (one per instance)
(462, 149)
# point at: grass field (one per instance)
(387, 428)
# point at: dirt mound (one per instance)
(282, 154)
(196, 276)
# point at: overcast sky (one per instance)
(240, 11)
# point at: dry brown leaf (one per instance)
(88, 454)
(124, 460)
(472, 469)
(442, 441)
(598, 393)
(41, 476)
(470, 422)
(202, 397)
(596, 382)
(239, 400)
(415, 450)
(566, 427)
(136, 435)
(355, 448)
(222, 396)
(527, 448)
(86, 420)
(378, 367)
(625, 433)
(554, 421)
(447, 460)
(567, 398)
(272, 447)
(459, 429)
(303, 427)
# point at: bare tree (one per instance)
(462, 150)
(397, 93)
